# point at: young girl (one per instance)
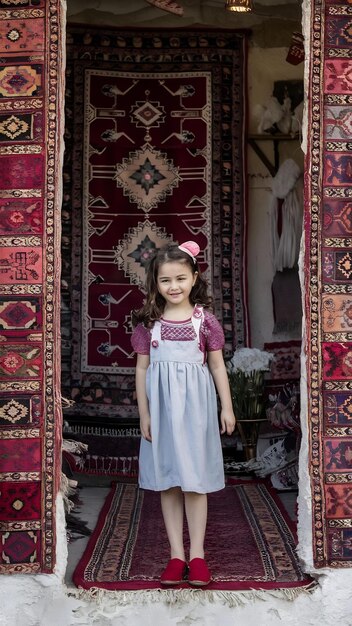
(179, 357)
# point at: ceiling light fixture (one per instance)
(239, 6)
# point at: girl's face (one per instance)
(175, 282)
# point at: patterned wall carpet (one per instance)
(157, 122)
(328, 284)
(30, 421)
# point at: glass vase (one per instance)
(247, 392)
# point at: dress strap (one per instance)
(156, 331)
(197, 319)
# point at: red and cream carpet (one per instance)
(328, 283)
(31, 90)
(250, 541)
(155, 130)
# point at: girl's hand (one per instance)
(145, 424)
(218, 370)
(228, 422)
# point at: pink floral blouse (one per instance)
(211, 334)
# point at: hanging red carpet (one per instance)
(250, 542)
(110, 453)
(154, 153)
(31, 100)
(328, 283)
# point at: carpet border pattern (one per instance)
(31, 94)
(328, 283)
(108, 561)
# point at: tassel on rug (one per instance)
(185, 596)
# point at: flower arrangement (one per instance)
(246, 371)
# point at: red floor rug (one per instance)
(250, 541)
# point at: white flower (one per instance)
(249, 360)
(246, 377)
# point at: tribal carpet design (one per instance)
(29, 420)
(329, 289)
(136, 200)
(286, 364)
(158, 122)
(129, 546)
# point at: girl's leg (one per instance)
(196, 505)
(172, 508)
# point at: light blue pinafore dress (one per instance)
(186, 449)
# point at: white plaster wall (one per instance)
(265, 65)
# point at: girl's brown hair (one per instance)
(155, 303)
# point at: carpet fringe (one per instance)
(184, 596)
(101, 431)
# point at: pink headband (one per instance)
(191, 248)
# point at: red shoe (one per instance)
(174, 573)
(199, 574)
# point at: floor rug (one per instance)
(250, 542)
(157, 122)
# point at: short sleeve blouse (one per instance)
(211, 335)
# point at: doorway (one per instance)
(94, 391)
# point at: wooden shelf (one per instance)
(277, 136)
(253, 139)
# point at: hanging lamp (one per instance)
(241, 6)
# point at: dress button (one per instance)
(155, 343)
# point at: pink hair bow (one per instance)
(191, 248)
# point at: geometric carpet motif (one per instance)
(121, 552)
(286, 364)
(160, 135)
(29, 349)
(136, 200)
(329, 284)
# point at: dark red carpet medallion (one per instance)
(250, 542)
(157, 121)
